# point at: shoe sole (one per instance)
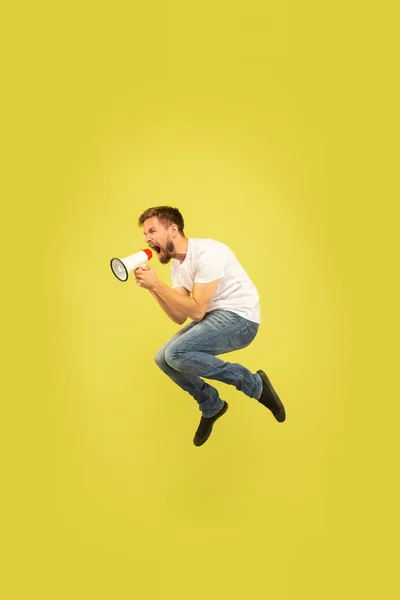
(280, 416)
(218, 416)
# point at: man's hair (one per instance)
(166, 214)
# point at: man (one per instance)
(210, 287)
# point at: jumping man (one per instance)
(211, 288)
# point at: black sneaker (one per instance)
(206, 424)
(270, 399)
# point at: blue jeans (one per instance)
(191, 354)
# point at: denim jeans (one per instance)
(191, 354)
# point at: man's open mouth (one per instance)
(156, 248)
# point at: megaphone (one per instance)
(123, 267)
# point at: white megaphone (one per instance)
(122, 267)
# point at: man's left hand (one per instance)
(146, 277)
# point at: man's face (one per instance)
(159, 238)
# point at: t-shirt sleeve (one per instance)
(209, 267)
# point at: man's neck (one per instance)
(181, 248)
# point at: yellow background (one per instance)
(243, 116)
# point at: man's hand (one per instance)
(146, 277)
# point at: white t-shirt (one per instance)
(207, 260)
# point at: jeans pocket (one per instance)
(243, 337)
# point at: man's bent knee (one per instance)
(173, 357)
(159, 359)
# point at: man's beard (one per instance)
(167, 253)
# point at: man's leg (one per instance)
(202, 392)
(193, 356)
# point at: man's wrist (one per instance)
(156, 286)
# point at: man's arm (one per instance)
(176, 316)
(195, 307)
